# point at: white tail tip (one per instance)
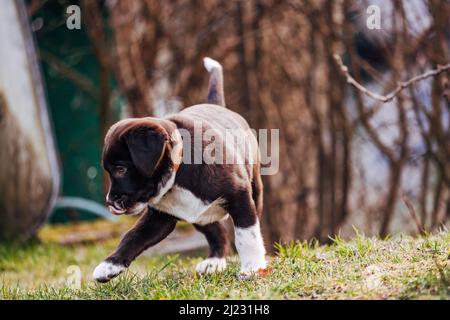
(211, 64)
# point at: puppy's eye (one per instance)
(120, 171)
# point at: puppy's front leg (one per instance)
(151, 228)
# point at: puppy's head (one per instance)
(137, 154)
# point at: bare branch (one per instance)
(70, 73)
(396, 91)
(412, 212)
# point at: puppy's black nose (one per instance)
(110, 199)
(109, 202)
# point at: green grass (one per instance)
(364, 268)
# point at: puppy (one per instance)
(176, 168)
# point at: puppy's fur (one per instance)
(143, 158)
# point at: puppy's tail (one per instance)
(215, 86)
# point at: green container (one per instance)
(71, 75)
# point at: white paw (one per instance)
(252, 268)
(105, 271)
(250, 247)
(211, 265)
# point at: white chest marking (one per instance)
(183, 204)
(163, 189)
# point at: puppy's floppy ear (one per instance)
(147, 147)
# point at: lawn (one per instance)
(363, 268)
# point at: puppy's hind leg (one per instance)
(216, 236)
(151, 228)
(248, 238)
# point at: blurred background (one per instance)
(346, 160)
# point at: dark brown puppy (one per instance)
(200, 165)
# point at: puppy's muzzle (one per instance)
(115, 210)
(138, 208)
